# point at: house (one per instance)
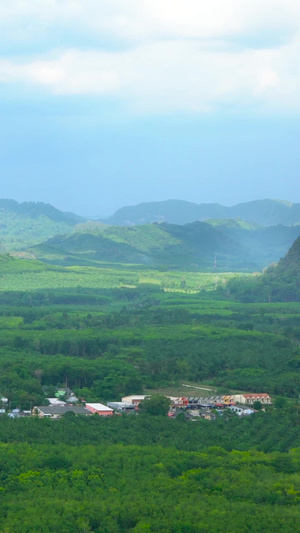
(56, 411)
(252, 397)
(134, 399)
(241, 410)
(99, 409)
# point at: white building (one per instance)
(250, 398)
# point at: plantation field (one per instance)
(27, 275)
(109, 332)
(106, 343)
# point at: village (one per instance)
(193, 408)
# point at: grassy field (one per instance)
(186, 388)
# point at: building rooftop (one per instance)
(98, 406)
(52, 410)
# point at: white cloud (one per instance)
(150, 19)
(170, 75)
(179, 53)
(73, 73)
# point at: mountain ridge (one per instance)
(266, 212)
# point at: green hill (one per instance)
(191, 246)
(263, 212)
(278, 283)
(29, 223)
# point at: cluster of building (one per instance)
(194, 406)
(207, 407)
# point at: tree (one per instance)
(157, 405)
(280, 403)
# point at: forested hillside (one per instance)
(280, 283)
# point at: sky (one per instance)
(109, 103)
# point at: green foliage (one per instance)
(280, 403)
(156, 405)
(117, 488)
(271, 431)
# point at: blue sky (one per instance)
(112, 103)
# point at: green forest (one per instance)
(135, 489)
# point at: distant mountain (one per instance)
(198, 245)
(172, 211)
(279, 283)
(36, 209)
(262, 212)
(28, 223)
